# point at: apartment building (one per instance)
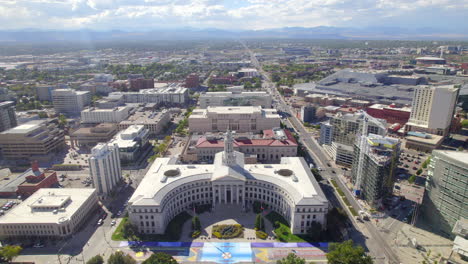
(379, 166)
(433, 109)
(445, 200)
(34, 140)
(262, 99)
(105, 169)
(234, 118)
(49, 213)
(94, 115)
(71, 102)
(7, 115)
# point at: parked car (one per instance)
(113, 223)
(38, 245)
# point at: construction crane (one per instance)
(364, 147)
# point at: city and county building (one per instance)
(104, 167)
(133, 142)
(154, 121)
(379, 166)
(28, 182)
(262, 99)
(433, 109)
(341, 132)
(89, 136)
(94, 115)
(7, 115)
(289, 188)
(445, 200)
(68, 101)
(35, 140)
(173, 94)
(49, 213)
(270, 147)
(234, 118)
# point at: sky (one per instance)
(143, 15)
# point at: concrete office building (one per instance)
(154, 121)
(49, 213)
(262, 99)
(7, 115)
(132, 143)
(94, 115)
(68, 101)
(344, 130)
(104, 165)
(235, 118)
(326, 133)
(90, 136)
(44, 92)
(270, 147)
(433, 109)
(34, 140)
(168, 189)
(308, 113)
(445, 200)
(379, 168)
(172, 94)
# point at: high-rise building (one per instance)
(445, 200)
(308, 113)
(378, 167)
(68, 101)
(326, 132)
(7, 116)
(105, 169)
(433, 109)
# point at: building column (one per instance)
(214, 196)
(237, 194)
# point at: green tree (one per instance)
(160, 258)
(129, 230)
(346, 252)
(464, 123)
(293, 259)
(120, 258)
(418, 172)
(315, 231)
(259, 222)
(412, 179)
(9, 252)
(62, 121)
(96, 260)
(196, 225)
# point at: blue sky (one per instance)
(232, 14)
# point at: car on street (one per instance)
(119, 213)
(100, 222)
(113, 223)
(38, 245)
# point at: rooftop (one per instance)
(459, 156)
(25, 128)
(40, 207)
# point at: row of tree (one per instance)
(120, 258)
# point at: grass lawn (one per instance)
(173, 230)
(283, 231)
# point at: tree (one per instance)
(9, 252)
(196, 225)
(464, 123)
(62, 121)
(292, 259)
(160, 258)
(346, 252)
(129, 230)
(418, 172)
(96, 260)
(315, 231)
(259, 222)
(412, 179)
(120, 258)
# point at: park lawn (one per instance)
(173, 230)
(283, 231)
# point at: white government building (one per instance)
(168, 189)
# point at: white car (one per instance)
(38, 245)
(113, 223)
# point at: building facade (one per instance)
(68, 101)
(262, 99)
(308, 113)
(133, 142)
(154, 121)
(7, 115)
(49, 213)
(378, 168)
(171, 95)
(90, 136)
(105, 169)
(169, 189)
(236, 118)
(44, 92)
(34, 140)
(433, 109)
(114, 115)
(445, 200)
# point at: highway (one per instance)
(377, 245)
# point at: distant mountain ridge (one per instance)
(321, 32)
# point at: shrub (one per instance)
(418, 172)
(196, 234)
(217, 234)
(228, 231)
(261, 234)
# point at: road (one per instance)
(377, 244)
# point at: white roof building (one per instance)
(169, 188)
